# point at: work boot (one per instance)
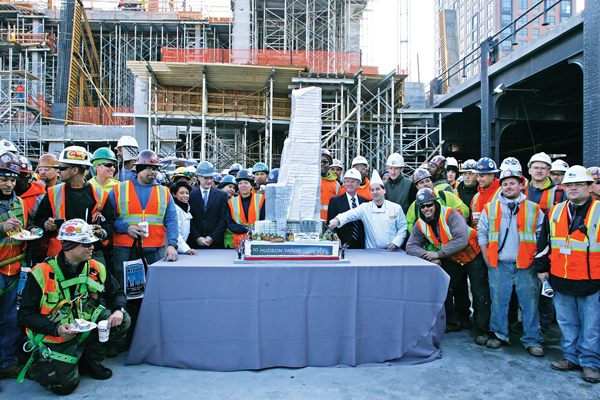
(493, 343)
(591, 375)
(11, 372)
(564, 365)
(537, 351)
(95, 371)
(453, 328)
(482, 339)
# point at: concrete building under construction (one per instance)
(198, 80)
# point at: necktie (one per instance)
(355, 232)
(205, 198)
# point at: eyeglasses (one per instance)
(325, 162)
(360, 168)
(108, 164)
(427, 205)
(63, 167)
(86, 245)
(152, 168)
(45, 169)
(575, 185)
(597, 182)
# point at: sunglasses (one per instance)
(108, 164)
(63, 167)
(152, 168)
(426, 205)
(597, 182)
(86, 245)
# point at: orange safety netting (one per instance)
(101, 116)
(324, 62)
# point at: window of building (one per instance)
(481, 3)
(468, 27)
(474, 8)
(505, 20)
(551, 20)
(522, 43)
(474, 22)
(468, 14)
(552, 10)
(523, 33)
(490, 8)
(506, 6)
(490, 22)
(506, 46)
(481, 30)
(565, 7)
(536, 32)
(462, 33)
(522, 5)
(523, 20)
(468, 40)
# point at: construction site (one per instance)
(203, 79)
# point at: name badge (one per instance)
(565, 250)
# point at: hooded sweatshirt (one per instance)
(33, 196)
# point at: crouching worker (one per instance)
(60, 295)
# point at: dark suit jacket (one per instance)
(338, 205)
(210, 223)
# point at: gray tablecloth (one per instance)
(205, 312)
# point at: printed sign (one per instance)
(306, 236)
(290, 250)
(135, 276)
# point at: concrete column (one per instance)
(141, 95)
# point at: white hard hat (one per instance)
(468, 166)
(191, 169)
(559, 165)
(77, 230)
(336, 163)
(395, 160)
(75, 155)
(359, 160)
(511, 163)
(127, 141)
(541, 157)
(7, 145)
(577, 173)
(451, 163)
(354, 174)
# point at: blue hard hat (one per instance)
(205, 169)
(273, 176)
(227, 179)
(217, 178)
(486, 165)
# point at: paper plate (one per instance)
(32, 237)
(91, 326)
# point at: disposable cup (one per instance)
(103, 331)
(144, 225)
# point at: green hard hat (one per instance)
(104, 153)
(260, 167)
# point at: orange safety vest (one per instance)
(237, 214)
(11, 248)
(526, 223)
(56, 196)
(329, 189)
(548, 199)
(575, 265)
(464, 256)
(130, 210)
(31, 195)
(365, 190)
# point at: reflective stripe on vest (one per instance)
(575, 265)
(464, 256)
(56, 194)
(547, 199)
(526, 227)
(237, 214)
(475, 203)
(11, 248)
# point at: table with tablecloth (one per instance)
(208, 312)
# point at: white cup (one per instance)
(144, 225)
(103, 331)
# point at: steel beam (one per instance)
(591, 84)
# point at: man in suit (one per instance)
(353, 233)
(208, 207)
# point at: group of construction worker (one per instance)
(493, 231)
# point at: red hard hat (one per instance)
(147, 157)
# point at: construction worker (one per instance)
(452, 172)
(32, 193)
(273, 176)
(568, 255)
(234, 169)
(60, 295)
(229, 186)
(422, 179)
(216, 180)
(595, 171)
(511, 163)
(337, 168)
(104, 163)
(541, 189)
(143, 200)
(245, 209)
(261, 173)
(127, 153)
(557, 171)
(488, 189)
(7, 145)
(75, 198)
(330, 187)
(13, 218)
(47, 169)
(362, 165)
(181, 174)
(442, 236)
(437, 169)
(467, 189)
(508, 229)
(191, 173)
(20, 94)
(398, 188)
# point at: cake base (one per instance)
(305, 250)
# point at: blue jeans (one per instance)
(9, 334)
(579, 320)
(527, 287)
(120, 255)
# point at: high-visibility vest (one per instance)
(12, 248)
(464, 256)
(56, 296)
(237, 214)
(130, 211)
(575, 265)
(56, 196)
(477, 204)
(329, 189)
(548, 199)
(526, 223)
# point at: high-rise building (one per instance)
(461, 25)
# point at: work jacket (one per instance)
(330, 187)
(237, 214)
(10, 248)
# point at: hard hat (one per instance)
(129, 153)
(420, 174)
(180, 171)
(336, 163)
(486, 165)
(577, 173)
(510, 173)
(468, 166)
(595, 172)
(205, 169)
(451, 164)
(273, 176)
(425, 195)
(48, 160)
(77, 230)
(327, 154)
(229, 180)
(25, 165)
(439, 161)
(245, 175)
(7, 145)
(75, 155)
(104, 153)
(148, 158)
(511, 163)
(395, 160)
(260, 167)
(190, 171)
(542, 157)
(235, 168)
(9, 165)
(354, 174)
(217, 178)
(127, 141)
(559, 165)
(359, 160)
